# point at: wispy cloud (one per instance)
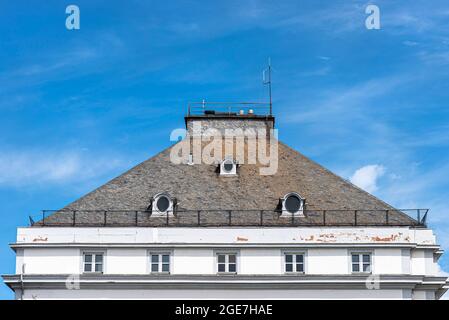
(410, 43)
(416, 180)
(21, 168)
(323, 71)
(435, 57)
(350, 102)
(62, 63)
(55, 63)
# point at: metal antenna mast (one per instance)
(267, 80)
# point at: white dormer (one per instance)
(228, 167)
(162, 205)
(292, 204)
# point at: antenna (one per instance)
(267, 80)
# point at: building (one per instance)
(188, 229)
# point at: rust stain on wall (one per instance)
(327, 235)
(392, 237)
(326, 240)
(311, 238)
(40, 239)
(333, 237)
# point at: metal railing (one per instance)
(229, 108)
(230, 218)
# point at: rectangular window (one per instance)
(93, 262)
(160, 262)
(227, 262)
(361, 262)
(294, 262)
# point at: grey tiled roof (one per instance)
(199, 187)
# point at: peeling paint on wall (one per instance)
(40, 239)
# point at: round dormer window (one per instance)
(228, 165)
(293, 203)
(162, 203)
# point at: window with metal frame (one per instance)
(93, 262)
(361, 262)
(294, 262)
(160, 262)
(227, 262)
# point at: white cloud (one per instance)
(366, 177)
(31, 168)
(409, 43)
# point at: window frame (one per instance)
(360, 263)
(160, 263)
(227, 253)
(288, 214)
(155, 210)
(93, 263)
(294, 263)
(223, 171)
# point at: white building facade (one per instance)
(97, 249)
(402, 263)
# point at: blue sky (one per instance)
(79, 107)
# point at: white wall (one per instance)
(389, 261)
(396, 249)
(422, 262)
(193, 251)
(305, 235)
(215, 294)
(260, 261)
(327, 261)
(129, 261)
(203, 260)
(50, 261)
(193, 261)
(423, 295)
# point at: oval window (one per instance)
(228, 165)
(292, 203)
(162, 203)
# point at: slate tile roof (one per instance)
(199, 187)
